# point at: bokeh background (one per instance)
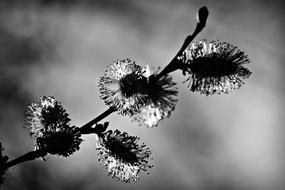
(62, 47)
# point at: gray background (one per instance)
(61, 48)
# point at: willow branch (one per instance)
(174, 64)
(87, 128)
(26, 157)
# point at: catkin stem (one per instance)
(26, 157)
(87, 128)
(175, 64)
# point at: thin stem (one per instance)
(26, 157)
(174, 64)
(87, 128)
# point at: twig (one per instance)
(174, 64)
(87, 128)
(26, 157)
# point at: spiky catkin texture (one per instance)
(122, 87)
(122, 156)
(161, 100)
(49, 124)
(214, 67)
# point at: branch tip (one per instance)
(203, 14)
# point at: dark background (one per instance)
(61, 48)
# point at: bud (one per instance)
(202, 15)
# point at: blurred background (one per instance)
(62, 47)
